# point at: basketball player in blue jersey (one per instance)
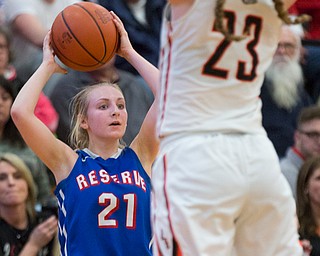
(103, 188)
(217, 181)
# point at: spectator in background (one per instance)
(6, 68)
(306, 145)
(283, 94)
(311, 42)
(11, 141)
(29, 22)
(44, 109)
(308, 203)
(142, 20)
(138, 97)
(21, 232)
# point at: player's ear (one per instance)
(83, 122)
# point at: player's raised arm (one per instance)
(149, 72)
(55, 154)
(146, 142)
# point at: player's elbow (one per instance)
(18, 114)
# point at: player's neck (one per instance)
(104, 150)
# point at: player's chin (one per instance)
(116, 132)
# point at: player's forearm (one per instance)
(149, 72)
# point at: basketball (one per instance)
(84, 37)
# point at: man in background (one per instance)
(306, 145)
(283, 94)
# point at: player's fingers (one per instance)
(62, 70)
(115, 16)
(46, 41)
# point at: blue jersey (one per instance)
(104, 207)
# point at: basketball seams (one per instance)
(62, 56)
(56, 50)
(74, 36)
(84, 37)
(97, 25)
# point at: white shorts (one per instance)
(222, 195)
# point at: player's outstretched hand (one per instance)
(49, 56)
(125, 46)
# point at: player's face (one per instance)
(107, 115)
(314, 188)
(5, 105)
(13, 187)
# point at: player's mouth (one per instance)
(115, 123)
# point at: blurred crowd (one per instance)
(290, 106)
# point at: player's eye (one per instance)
(104, 106)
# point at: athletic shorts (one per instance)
(221, 195)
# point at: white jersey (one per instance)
(208, 83)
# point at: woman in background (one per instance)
(20, 231)
(308, 203)
(11, 141)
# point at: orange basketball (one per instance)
(84, 37)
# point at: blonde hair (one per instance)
(23, 169)
(282, 14)
(79, 137)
